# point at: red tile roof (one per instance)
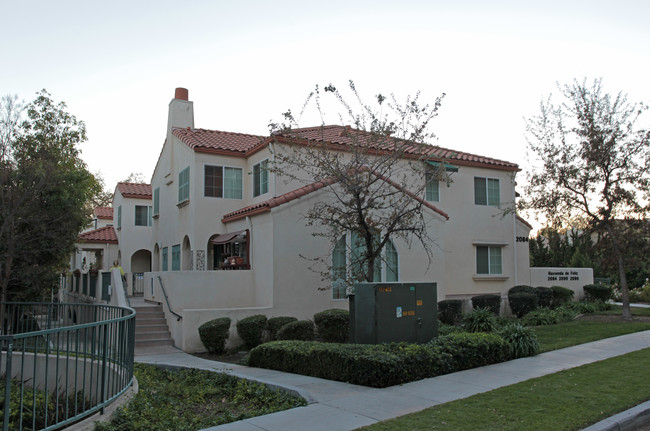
(522, 220)
(339, 137)
(215, 141)
(104, 213)
(302, 191)
(135, 190)
(102, 235)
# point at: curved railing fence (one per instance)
(62, 362)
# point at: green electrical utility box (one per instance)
(393, 312)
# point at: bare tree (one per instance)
(372, 171)
(592, 162)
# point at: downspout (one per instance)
(514, 229)
(272, 147)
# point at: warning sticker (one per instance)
(398, 312)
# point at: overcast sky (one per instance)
(116, 63)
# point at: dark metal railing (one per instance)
(169, 307)
(62, 362)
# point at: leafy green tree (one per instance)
(45, 197)
(592, 162)
(383, 140)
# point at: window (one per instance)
(156, 201)
(165, 253)
(386, 267)
(184, 185)
(433, 190)
(260, 178)
(487, 191)
(222, 182)
(176, 257)
(119, 217)
(143, 215)
(488, 260)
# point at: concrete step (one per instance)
(150, 315)
(140, 329)
(154, 343)
(154, 321)
(147, 336)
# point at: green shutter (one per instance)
(176, 257)
(391, 262)
(184, 185)
(156, 201)
(119, 217)
(165, 258)
(482, 260)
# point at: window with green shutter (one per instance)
(119, 217)
(176, 257)
(165, 258)
(156, 201)
(184, 185)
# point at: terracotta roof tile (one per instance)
(218, 141)
(135, 190)
(104, 213)
(305, 190)
(102, 235)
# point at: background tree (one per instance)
(592, 163)
(385, 140)
(45, 197)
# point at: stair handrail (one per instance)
(178, 316)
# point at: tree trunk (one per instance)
(625, 293)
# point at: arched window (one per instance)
(349, 250)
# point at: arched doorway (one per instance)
(186, 257)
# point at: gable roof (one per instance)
(135, 190)
(104, 213)
(217, 142)
(102, 235)
(267, 205)
(339, 137)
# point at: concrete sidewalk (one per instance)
(341, 406)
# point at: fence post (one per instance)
(10, 347)
(104, 367)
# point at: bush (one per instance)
(522, 303)
(540, 317)
(597, 292)
(274, 324)
(522, 340)
(561, 295)
(250, 329)
(214, 334)
(444, 329)
(298, 330)
(522, 288)
(544, 296)
(450, 311)
(333, 325)
(480, 320)
(491, 302)
(473, 350)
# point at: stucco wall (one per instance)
(571, 278)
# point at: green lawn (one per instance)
(569, 400)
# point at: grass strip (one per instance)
(553, 337)
(565, 401)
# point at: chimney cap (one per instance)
(181, 93)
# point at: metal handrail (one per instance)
(78, 364)
(178, 316)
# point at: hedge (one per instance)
(450, 311)
(333, 325)
(522, 303)
(298, 330)
(544, 296)
(490, 302)
(214, 334)
(597, 292)
(250, 329)
(382, 365)
(561, 295)
(274, 324)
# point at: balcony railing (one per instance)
(62, 362)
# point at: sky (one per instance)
(116, 64)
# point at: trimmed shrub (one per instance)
(274, 324)
(480, 320)
(561, 295)
(250, 329)
(333, 325)
(522, 340)
(473, 350)
(544, 296)
(522, 303)
(214, 334)
(450, 311)
(597, 292)
(522, 288)
(298, 330)
(490, 302)
(540, 317)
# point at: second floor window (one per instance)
(184, 185)
(432, 193)
(119, 217)
(261, 178)
(487, 191)
(222, 182)
(142, 215)
(156, 201)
